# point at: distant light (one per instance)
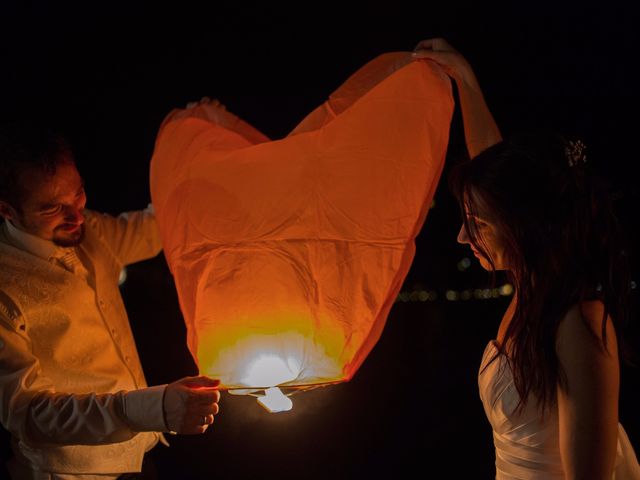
(633, 285)
(506, 289)
(123, 276)
(463, 264)
(482, 293)
(455, 295)
(451, 295)
(275, 401)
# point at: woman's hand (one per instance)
(480, 129)
(451, 61)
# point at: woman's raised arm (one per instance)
(480, 129)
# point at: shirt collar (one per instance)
(33, 244)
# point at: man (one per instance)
(72, 391)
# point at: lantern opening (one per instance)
(259, 362)
(275, 401)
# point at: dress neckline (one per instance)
(493, 346)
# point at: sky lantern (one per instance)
(288, 254)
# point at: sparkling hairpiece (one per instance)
(575, 152)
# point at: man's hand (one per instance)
(190, 404)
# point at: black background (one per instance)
(105, 74)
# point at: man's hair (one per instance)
(25, 147)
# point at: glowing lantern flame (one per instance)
(288, 255)
(275, 401)
(271, 370)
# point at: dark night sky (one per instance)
(106, 74)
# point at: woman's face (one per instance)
(488, 232)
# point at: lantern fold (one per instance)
(288, 254)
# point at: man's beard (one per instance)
(73, 241)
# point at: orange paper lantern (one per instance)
(288, 254)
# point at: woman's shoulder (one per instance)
(586, 325)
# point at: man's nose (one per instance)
(74, 215)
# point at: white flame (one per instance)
(269, 370)
(258, 362)
(275, 401)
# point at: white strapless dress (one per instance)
(527, 447)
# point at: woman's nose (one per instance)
(463, 237)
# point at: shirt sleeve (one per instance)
(33, 411)
(131, 236)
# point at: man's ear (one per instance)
(7, 211)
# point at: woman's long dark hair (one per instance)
(563, 245)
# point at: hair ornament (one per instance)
(575, 152)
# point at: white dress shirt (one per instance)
(67, 257)
(72, 391)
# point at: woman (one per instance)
(549, 381)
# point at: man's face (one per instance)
(52, 205)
